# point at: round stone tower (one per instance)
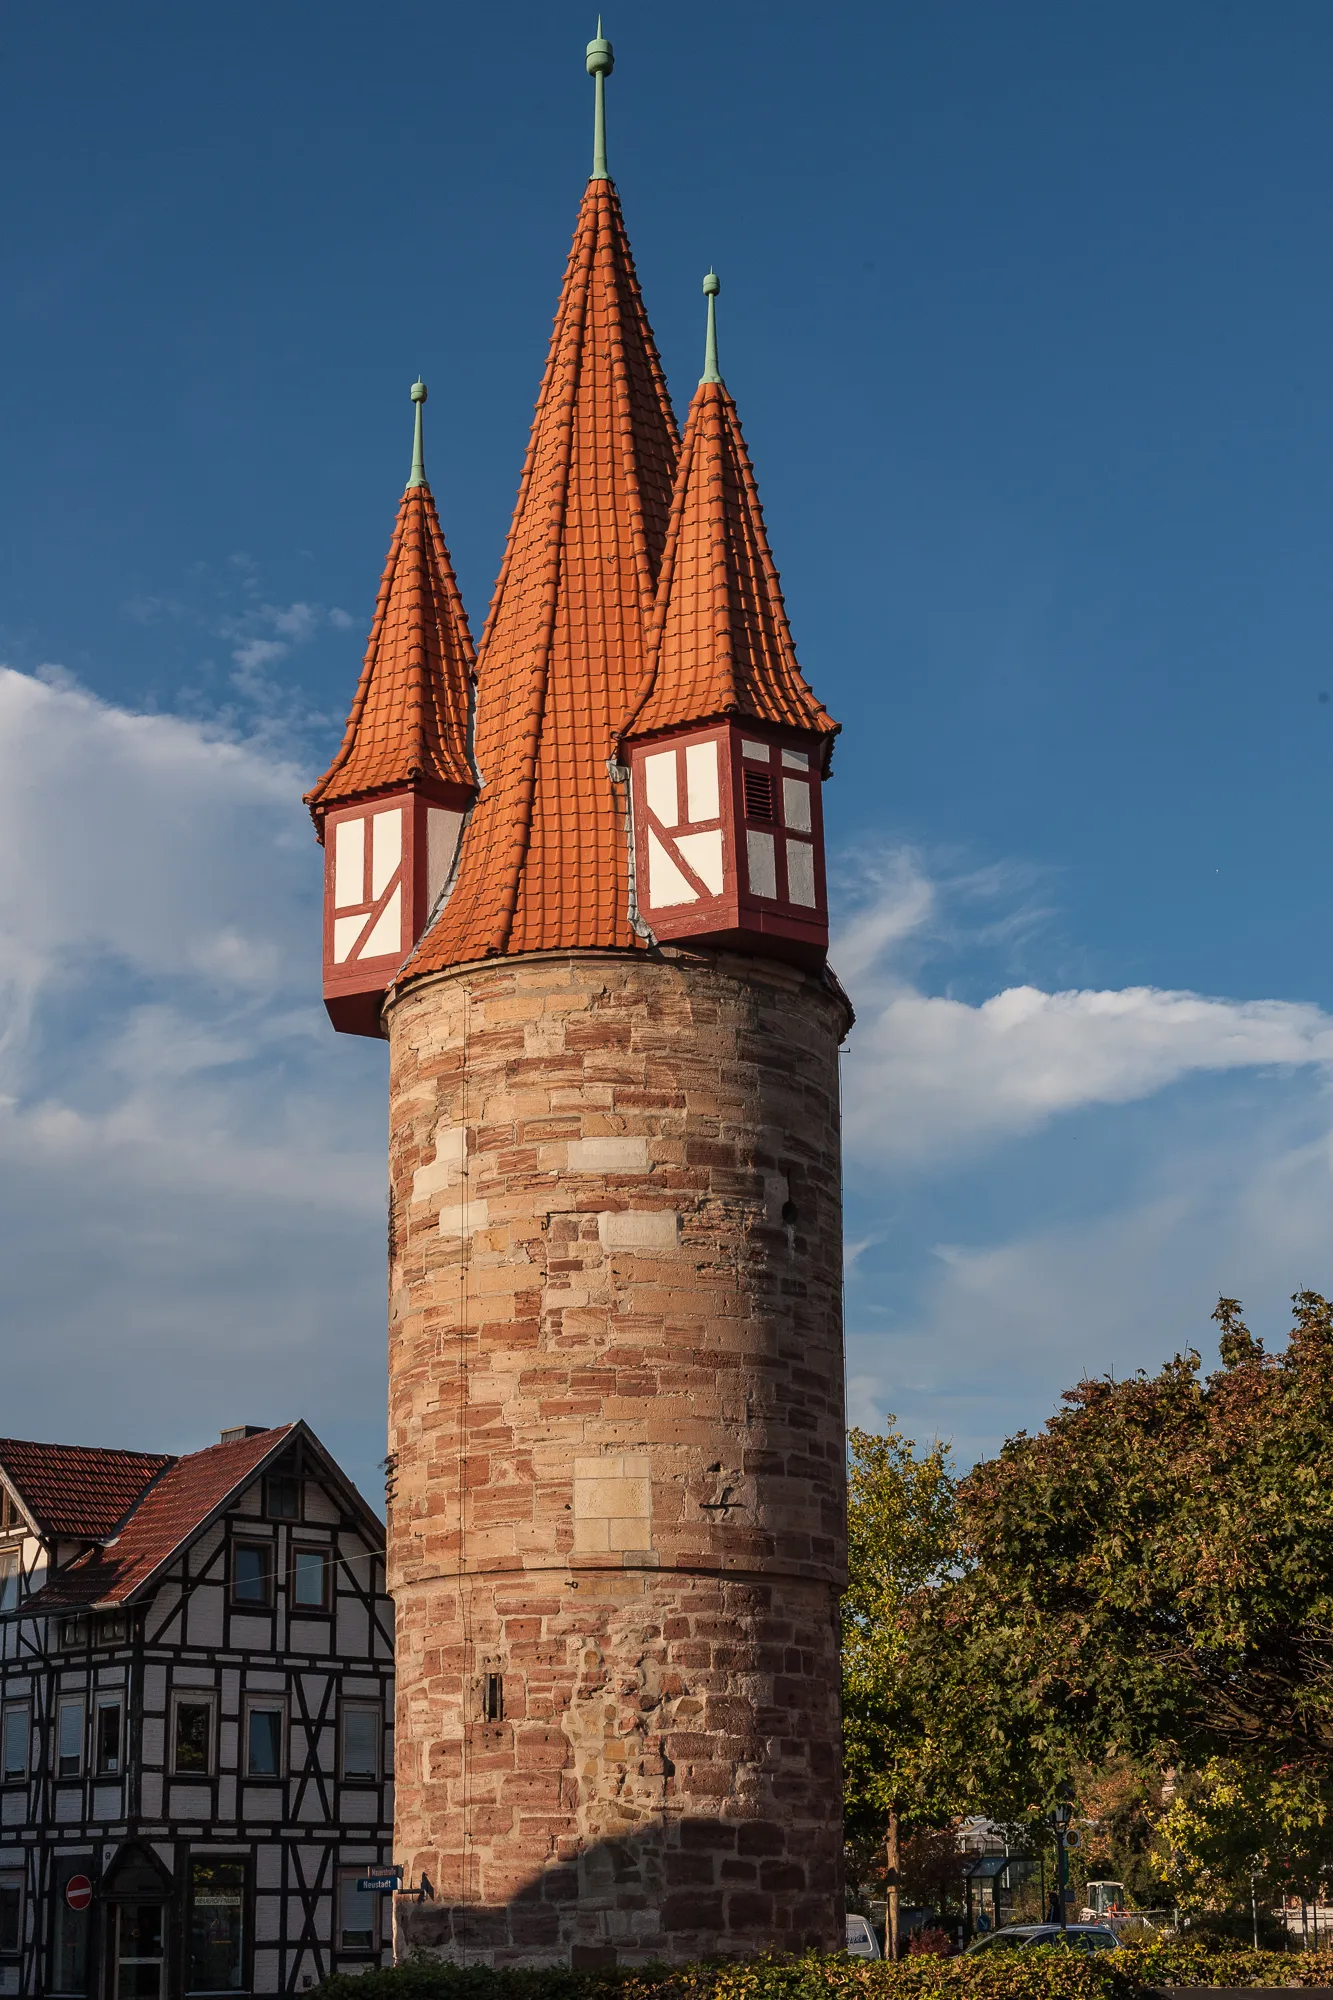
(616, 1519)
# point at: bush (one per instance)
(1039, 1974)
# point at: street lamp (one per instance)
(1061, 1814)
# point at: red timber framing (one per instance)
(386, 860)
(729, 838)
(213, 1754)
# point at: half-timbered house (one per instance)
(196, 1701)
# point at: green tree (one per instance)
(901, 1759)
(1234, 1827)
(1151, 1575)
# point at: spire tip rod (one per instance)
(418, 474)
(712, 286)
(599, 63)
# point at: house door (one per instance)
(140, 1956)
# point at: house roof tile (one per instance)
(172, 1508)
(719, 643)
(544, 858)
(409, 717)
(77, 1491)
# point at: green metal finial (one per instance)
(601, 61)
(418, 477)
(712, 286)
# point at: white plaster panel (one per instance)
(346, 931)
(763, 863)
(305, 1635)
(268, 1867)
(607, 1156)
(757, 751)
(659, 783)
(349, 863)
(266, 1975)
(151, 1794)
(353, 1628)
(195, 1677)
(795, 760)
(639, 1229)
(191, 1802)
(69, 1803)
(464, 1218)
(227, 1797)
(386, 849)
(205, 1616)
(701, 781)
(796, 804)
(108, 1802)
(268, 1917)
(667, 887)
(13, 1808)
(262, 1680)
(387, 935)
(262, 1802)
(318, 1505)
(360, 1808)
(251, 1635)
(801, 873)
(703, 852)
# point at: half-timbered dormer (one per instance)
(196, 1682)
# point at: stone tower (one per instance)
(616, 1523)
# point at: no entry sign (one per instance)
(78, 1892)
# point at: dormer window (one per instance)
(9, 1580)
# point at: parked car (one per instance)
(861, 1939)
(1079, 1937)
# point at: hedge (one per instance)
(1021, 1975)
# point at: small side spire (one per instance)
(712, 286)
(418, 475)
(600, 63)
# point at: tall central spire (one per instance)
(601, 61)
(544, 859)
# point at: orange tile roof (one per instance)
(75, 1490)
(720, 643)
(544, 860)
(171, 1510)
(409, 716)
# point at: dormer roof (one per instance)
(409, 718)
(544, 860)
(76, 1492)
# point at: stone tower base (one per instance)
(617, 1530)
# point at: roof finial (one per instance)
(601, 61)
(418, 477)
(712, 286)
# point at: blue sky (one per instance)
(1027, 311)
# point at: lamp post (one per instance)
(1061, 1814)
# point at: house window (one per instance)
(112, 1628)
(193, 1736)
(16, 1730)
(282, 1498)
(69, 1738)
(358, 1913)
(215, 1945)
(106, 1739)
(69, 1953)
(361, 1739)
(263, 1739)
(11, 1912)
(73, 1632)
(310, 1570)
(9, 1579)
(252, 1573)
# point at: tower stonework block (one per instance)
(616, 1534)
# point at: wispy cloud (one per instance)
(936, 1078)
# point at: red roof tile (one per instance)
(76, 1490)
(181, 1501)
(409, 717)
(720, 643)
(544, 860)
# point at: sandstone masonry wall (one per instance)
(617, 1531)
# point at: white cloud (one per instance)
(930, 1077)
(191, 1164)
